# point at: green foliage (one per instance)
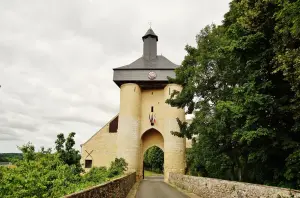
(242, 83)
(96, 175)
(37, 175)
(10, 157)
(46, 174)
(67, 152)
(27, 151)
(154, 160)
(117, 167)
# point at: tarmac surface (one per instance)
(155, 187)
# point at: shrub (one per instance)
(117, 167)
(96, 175)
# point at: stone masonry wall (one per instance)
(118, 188)
(216, 188)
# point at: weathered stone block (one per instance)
(118, 188)
(216, 188)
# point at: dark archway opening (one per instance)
(153, 162)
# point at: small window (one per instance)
(88, 163)
(169, 91)
(113, 125)
(152, 109)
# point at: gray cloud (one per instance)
(8, 134)
(56, 59)
(8, 137)
(74, 118)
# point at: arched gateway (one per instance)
(150, 138)
(144, 119)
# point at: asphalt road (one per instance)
(155, 187)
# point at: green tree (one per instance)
(117, 167)
(242, 83)
(59, 143)
(154, 159)
(67, 152)
(10, 157)
(40, 174)
(28, 151)
(96, 175)
(47, 174)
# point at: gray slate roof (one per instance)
(150, 32)
(160, 63)
(138, 71)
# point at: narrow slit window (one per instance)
(152, 109)
(88, 163)
(169, 90)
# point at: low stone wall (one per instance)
(216, 188)
(117, 188)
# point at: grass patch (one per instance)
(149, 174)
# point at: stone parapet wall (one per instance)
(117, 188)
(216, 188)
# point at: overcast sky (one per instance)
(57, 56)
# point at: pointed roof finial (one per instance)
(150, 33)
(150, 23)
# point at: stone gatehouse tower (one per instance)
(144, 119)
